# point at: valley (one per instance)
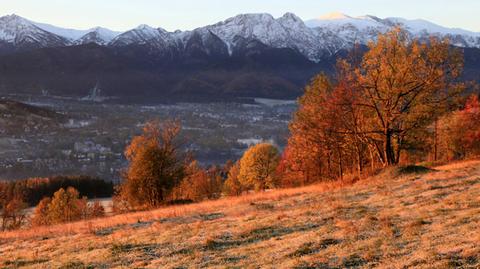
(89, 138)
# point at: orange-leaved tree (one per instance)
(258, 166)
(199, 184)
(156, 165)
(402, 85)
(459, 131)
(375, 107)
(232, 185)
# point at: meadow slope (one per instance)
(428, 220)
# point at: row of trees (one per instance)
(65, 206)
(17, 196)
(32, 190)
(374, 110)
(159, 172)
(459, 132)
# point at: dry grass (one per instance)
(417, 220)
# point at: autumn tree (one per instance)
(13, 213)
(470, 116)
(316, 147)
(41, 214)
(257, 167)
(376, 106)
(401, 85)
(459, 131)
(65, 206)
(156, 165)
(232, 186)
(199, 184)
(12, 206)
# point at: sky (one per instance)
(188, 14)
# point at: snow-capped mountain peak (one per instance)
(142, 34)
(419, 25)
(21, 32)
(14, 22)
(144, 27)
(314, 39)
(291, 20)
(337, 20)
(24, 33)
(334, 16)
(292, 16)
(97, 35)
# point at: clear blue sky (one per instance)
(188, 14)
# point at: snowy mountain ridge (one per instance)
(19, 31)
(312, 38)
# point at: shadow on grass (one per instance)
(314, 247)
(21, 263)
(255, 235)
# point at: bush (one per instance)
(96, 210)
(65, 206)
(199, 184)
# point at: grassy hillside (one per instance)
(408, 218)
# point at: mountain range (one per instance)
(249, 55)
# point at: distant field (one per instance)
(213, 132)
(394, 220)
(274, 102)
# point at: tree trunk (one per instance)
(396, 157)
(359, 162)
(388, 149)
(329, 164)
(340, 163)
(435, 140)
(372, 158)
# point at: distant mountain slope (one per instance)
(134, 73)
(97, 35)
(18, 33)
(17, 117)
(22, 109)
(364, 28)
(249, 55)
